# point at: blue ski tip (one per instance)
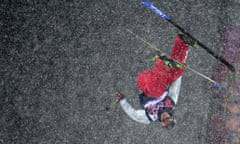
(148, 4)
(156, 10)
(218, 85)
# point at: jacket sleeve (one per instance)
(137, 115)
(174, 90)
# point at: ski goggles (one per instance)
(167, 121)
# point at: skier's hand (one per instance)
(170, 63)
(161, 56)
(155, 58)
(120, 96)
(173, 64)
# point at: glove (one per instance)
(169, 62)
(155, 58)
(120, 96)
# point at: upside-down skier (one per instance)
(160, 88)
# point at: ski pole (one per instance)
(164, 16)
(112, 104)
(218, 85)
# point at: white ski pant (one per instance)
(140, 115)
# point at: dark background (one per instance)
(62, 62)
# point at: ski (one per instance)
(167, 18)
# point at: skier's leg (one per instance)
(180, 50)
(179, 53)
(174, 89)
(137, 115)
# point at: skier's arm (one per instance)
(174, 89)
(137, 115)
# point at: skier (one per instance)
(160, 88)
